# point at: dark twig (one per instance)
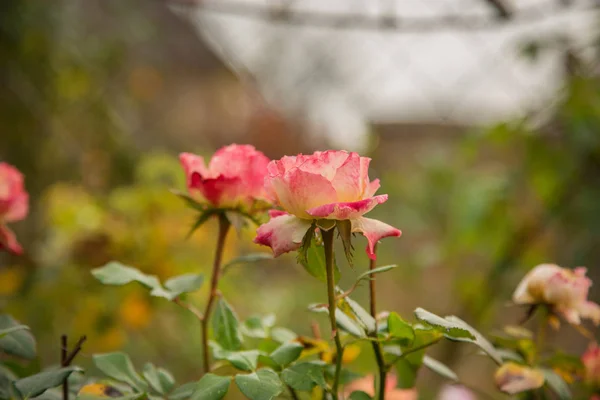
(66, 359)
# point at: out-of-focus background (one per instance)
(482, 118)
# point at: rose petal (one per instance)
(348, 182)
(19, 207)
(324, 163)
(8, 240)
(282, 234)
(298, 191)
(372, 188)
(374, 231)
(530, 289)
(513, 378)
(221, 191)
(349, 210)
(590, 310)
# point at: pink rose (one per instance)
(234, 177)
(514, 378)
(591, 361)
(366, 385)
(331, 185)
(14, 205)
(564, 290)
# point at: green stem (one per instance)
(224, 225)
(328, 245)
(376, 345)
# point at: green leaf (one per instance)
(359, 395)
(439, 368)
(6, 378)
(283, 335)
(119, 367)
(184, 284)
(313, 260)
(167, 380)
(263, 384)
(254, 327)
(480, 340)
(226, 326)
(343, 321)
(115, 273)
(374, 271)
(345, 231)
(37, 384)
(189, 200)
(400, 329)
(287, 353)
(557, 384)
(159, 379)
(361, 315)
(132, 396)
(307, 240)
(19, 342)
(248, 258)
(211, 387)
(183, 392)
(244, 360)
(6, 331)
(449, 329)
(201, 220)
(304, 376)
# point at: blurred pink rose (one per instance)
(565, 290)
(455, 392)
(14, 205)
(366, 385)
(591, 361)
(331, 185)
(234, 177)
(514, 378)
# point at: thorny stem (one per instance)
(224, 225)
(376, 346)
(328, 245)
(63, 363)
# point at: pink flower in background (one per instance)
(233, 178)
(565, 290)
(14, 205)
(455, 392)
(366, 385)
(591, 361)
(331, 185)
(514, 378)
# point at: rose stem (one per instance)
(224, 225)
(328, 244)
(376, 346)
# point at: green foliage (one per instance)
(557, 384)
(286, 354)
(245, 360)
(16, 340)
(344, 228)
(400, 329)
(354, 310)
(359, 395)
(311, 255)
(211, 387)
(118, 366)
(263, 384)
(344, 322)
(115, 273)
(454, 328)
(226, 326)
(159, 379)
(304, 376)
(440, 368)
(37, 384)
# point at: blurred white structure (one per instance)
(340, 79)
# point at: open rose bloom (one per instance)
(328, 185)
(514, 378)
(14, 204)
(233, 179)
(564, 290)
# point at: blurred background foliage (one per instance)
(95, 111)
